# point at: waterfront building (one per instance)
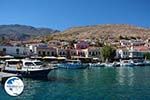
(94, 52)
(142, 48)
(62, 52)
(15, 51)
(81, 45)
(132, 42)
(46, 51)
(122, 53)
(135, 54)
(54, 43)
(128, 53)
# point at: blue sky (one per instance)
(63, 14)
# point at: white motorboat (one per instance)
(27, 68)
(126, 63)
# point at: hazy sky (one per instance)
(62, 14)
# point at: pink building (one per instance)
(81, 45)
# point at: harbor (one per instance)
(95, 83)
(75, 50)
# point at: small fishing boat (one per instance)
(126, 63)
(72, 64)
(27, 68)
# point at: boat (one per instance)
(138, 62)
(147, 63)
(126, 63)
(27, 68)
(72, 64)
(97, 64)
(114, 64)
(108, 64)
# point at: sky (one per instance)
(63, 14)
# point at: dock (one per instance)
(4, 76)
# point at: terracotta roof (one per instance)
(142, 48)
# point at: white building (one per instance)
(15, 50)
(94, 52)
(126, 54)
(131, 42)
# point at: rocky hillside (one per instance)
(23, 32)
(109, 31)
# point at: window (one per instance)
(29, 64)
(14, 62)
(39, 52)
(38, 63)
(52, 53)
(43, 53)
(74, 53)
(48, 53)
(4, 49)
(63, 53)
(95, 53)
(89, 53)
(17, 51)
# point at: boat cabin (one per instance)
(23, 64)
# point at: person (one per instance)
(19, 66)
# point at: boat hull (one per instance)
(36, 74)
(127, 65)
(97, 65)
(73, 66)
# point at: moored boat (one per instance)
(126, 63)
(72, 64)
(114, 64)
(27, 68)
(96, 64)
(147, 63)
(138, 62)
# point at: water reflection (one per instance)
(125, 76)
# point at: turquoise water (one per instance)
(88, 84)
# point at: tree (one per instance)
(147, 55)
(108, 52)
(121, 37)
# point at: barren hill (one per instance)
(23, 32)
(108, 31)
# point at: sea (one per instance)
(122, 83)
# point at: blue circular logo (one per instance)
(14, 86)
